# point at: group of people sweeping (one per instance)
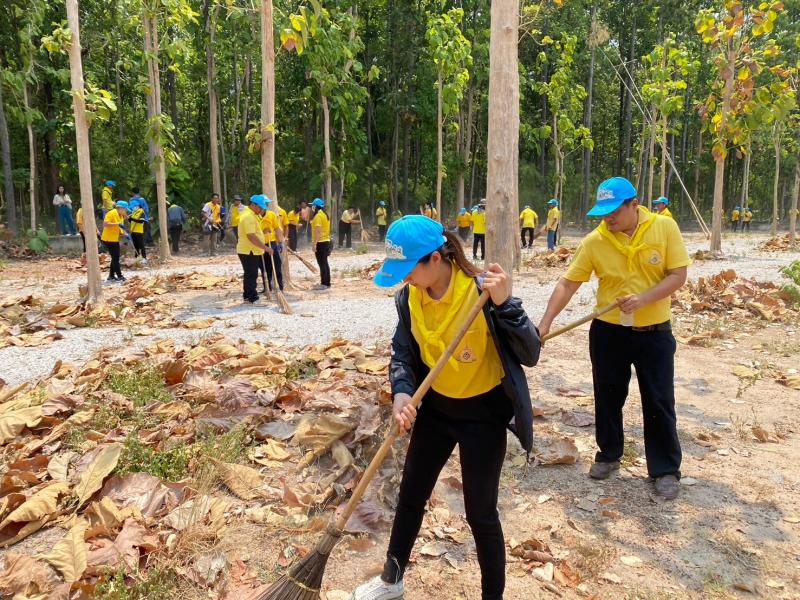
(456, 372)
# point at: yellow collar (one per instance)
(646, 218)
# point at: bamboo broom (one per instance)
(286, 308)
(308, 265)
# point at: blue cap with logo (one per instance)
(661, 200)
(318, 202)
(408, 239)
(610, 196)
(122, 204)
(259, 200)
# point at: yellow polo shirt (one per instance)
(479, 221)
(293, 218)
(735, 215)
(249, 222)
(553, 218)
(138, 213)
(283, 217)
(475, 366)
(111, 234)
(528, 217)
(214, 210)
(381, 215)
(79, 219)
(236, 214)
(464, 220)
(108, 199)
(269, 225)
(656, 247)
(666, 213)
(747, 216)
(321, 220)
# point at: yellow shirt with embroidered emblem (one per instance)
(322, 221)
(249, 222)
(269, 225)
(631, 265)
(475, 366)
(479, 221)
(528, 217)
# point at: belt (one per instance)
(665, 326)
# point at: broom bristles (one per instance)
(286, 308)
(304, 581)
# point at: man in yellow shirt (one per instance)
(137, 220)
(464, 220)
(747, 216)
(639, 260)
(529, 220)
(112, 231)
(553, 223)
(251, 246)
(479, 230)
(212, 223)
(79, 220)
(236, 211)
(273, 236)
(108, 196)
(293, 219)
(735, 218)
(380, 216)
(660, 206)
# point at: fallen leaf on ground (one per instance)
(69, 555)
(92, 479)
(243, 481)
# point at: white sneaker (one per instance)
(377, 589)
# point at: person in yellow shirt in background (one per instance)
(273, 236)
(464, 220)
(250, 246)
(747, 216)
(293, 219)
(321, 242)
(430, 211)
(735, 218)
(639, 260)
(380, 216)
(79, 220)
(478, 394)
(660, 207)
(112, 231)
(235, 214)
(283, 219)
(479, 230)
(553, 223)
(529, 220)
(107, 196)
(212, 223)
(137, 220)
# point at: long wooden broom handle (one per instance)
(380, 455)
(581, 321)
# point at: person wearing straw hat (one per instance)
(480, 392)
(660, 206)
(640, 260)
(251, 246)
(529, 220)
(553, 223)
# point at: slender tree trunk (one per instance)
(8, 176)
(745, 197)
(211, 27)
(326, 141)
(628, 104)
(663, 180)
(587, 120)
(268, 183)
(776, 138)
(502, 148)
(719, 157)
(31, 155)
(439, 146)
(793, 210)
(150, 22)
(406, 162)
(467, 140)
(651, 157)
(94, 289)
(641, 167)
(697, 154)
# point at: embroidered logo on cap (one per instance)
(394, 251)
(605, 194)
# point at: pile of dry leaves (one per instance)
(780, 243)
(148, 462)
(560, 258)
(726, 291)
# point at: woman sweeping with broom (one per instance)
(479, 393)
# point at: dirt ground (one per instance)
(732, 533)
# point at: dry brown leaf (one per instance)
(791, 381)
(92, 479)
(198, 323)
(190, 512)
(367, 517)
(59, 464)
(577, 419)
(40, 505)
(243, 481)
(12, 422)
(318, 432)
(70, 553)
(24, 576)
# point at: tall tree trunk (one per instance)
(326, 142)
(211, 28)
(94, 289)
(651, 156)
(793, 209)
(439, 146)
(719, 155)
(628, 104)
(502, 148)
(641, 166)
(268, 183)
(745, 197)
(697, 154)
(150, 22)
(663, 181)
(586, 166)
(406, 162)
(31, 155)
(776, 140)
(5, 149)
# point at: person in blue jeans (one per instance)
(63, 204)
(553, 223)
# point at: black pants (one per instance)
(175, 237)
(148, 234)
(463, 233)
(113, 250)
(527, 232)
(345, 233)
(322, 252)
(251, 264)
(745, 226)
(735, 225)
(382, 232)
(138, 244)
(478, 238)
(276, 259)
(613, 349)
(478, 426)
(83, 241)
(293, 237)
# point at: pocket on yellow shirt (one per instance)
(473, 347)
(653, 257)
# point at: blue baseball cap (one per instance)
(111, 183)
(553, 201)
(318, 202)
(267, 199)
(122, 204)
(408, 239)
(461, 211)
(381, 203)
(661, 200)
(610, 196)
(259, 200)
(527, 206)
(738, 208)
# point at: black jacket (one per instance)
(517, 342)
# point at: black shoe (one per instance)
(603, 470)
(667, 486)
(111, 279)
(121, 278)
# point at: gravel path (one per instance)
(354, 309)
